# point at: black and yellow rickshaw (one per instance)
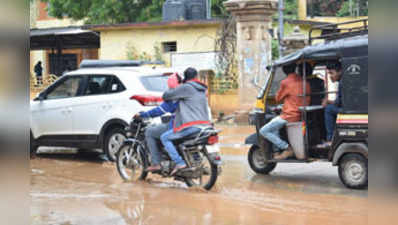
(349, 149)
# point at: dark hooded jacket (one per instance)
(192, 109)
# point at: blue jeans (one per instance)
(331, 112)
(167, 141)
(152, 138)
(271, 132)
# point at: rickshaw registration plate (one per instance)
(213, 148)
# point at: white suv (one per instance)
(90, 107)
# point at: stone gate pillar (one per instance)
(253, 39)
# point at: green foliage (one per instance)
(291, 9)
(116, 11)
(339, 8)
(344, 10)
(158, 52)
(106, 11)
(152, 12)
(218, 9)
(290, 12)
(133, 54)
(356, 5)
(275, 49)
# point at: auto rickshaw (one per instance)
(349, 149)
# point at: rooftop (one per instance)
(183, 23)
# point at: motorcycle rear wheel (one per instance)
(212, 177)
(131, 163)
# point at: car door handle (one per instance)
(69, 110)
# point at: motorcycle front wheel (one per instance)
(131, 162)
(209, 175)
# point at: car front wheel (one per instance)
(113, 141)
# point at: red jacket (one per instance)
(289, 93)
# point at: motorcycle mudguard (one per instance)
(252, 140)
(213, 160)
(131, 141)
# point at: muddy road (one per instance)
(79, 188)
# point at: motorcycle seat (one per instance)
(187, 138)
(192, 136)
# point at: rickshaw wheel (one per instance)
(257, 161)
(353, 171)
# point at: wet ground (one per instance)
(79, 188)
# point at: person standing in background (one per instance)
(39, 73)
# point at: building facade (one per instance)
(139, 41)
(39, 19)
(157, 41)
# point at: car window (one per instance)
(66, 89)
(98, 85)
(116, 85)
(155, 83)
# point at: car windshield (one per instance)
(155, 83)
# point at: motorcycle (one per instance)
(199, 151)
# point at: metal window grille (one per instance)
(169, 46)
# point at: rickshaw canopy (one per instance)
(347, 47)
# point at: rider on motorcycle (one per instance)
(192, 112)
(152, 134)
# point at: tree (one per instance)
(291, 9)
(116, 11)
(323, 8)
(106, 11)
(353, 8)
(218, 9)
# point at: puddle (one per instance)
(82, 189)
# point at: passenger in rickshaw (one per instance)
(290, 92)
(317, 84)
(334, 71)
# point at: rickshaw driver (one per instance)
(291, 88)
(334, 70)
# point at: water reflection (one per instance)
(80, 188)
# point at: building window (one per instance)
(169, 46)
